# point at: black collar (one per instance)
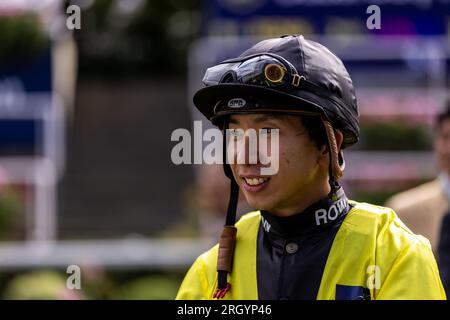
(319, 216)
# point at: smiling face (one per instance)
(302, 176)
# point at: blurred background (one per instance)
(86, 117)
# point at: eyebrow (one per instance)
(233, 121)
(268, 117)
(262, 118)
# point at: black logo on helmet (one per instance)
(236, 103)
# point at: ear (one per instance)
(324, 159)
(339, 138)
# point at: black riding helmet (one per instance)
(289, 75)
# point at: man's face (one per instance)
(442, 146)
(301, 178)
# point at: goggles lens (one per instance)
(261, 70)
(274, 72)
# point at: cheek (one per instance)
(296, 159)
(287, 157)
(291, 158)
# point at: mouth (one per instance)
(254, 184)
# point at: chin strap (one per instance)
(337, 162)
(227, 240)
(227, 244)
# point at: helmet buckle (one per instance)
(296, 80)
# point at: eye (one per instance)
(265, 131)
(236, 133)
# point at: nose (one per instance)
(244, 151)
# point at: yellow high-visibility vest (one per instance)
(372, 249)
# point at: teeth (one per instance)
(255, 181)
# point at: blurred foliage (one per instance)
(38, 285)
(51, 284)
(21, 37)
(395, 136)
(154, 287)
(10, 208)
(96, 283)
(139, 39)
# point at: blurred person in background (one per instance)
(307, 240)
(425, 208)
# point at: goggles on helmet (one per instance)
(262, 70)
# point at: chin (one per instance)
(260, 203)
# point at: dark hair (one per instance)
(316, 130)
(444, 115)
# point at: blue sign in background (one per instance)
(420, 17)
(22, 134)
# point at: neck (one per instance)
(308, 196)
(318, 216)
